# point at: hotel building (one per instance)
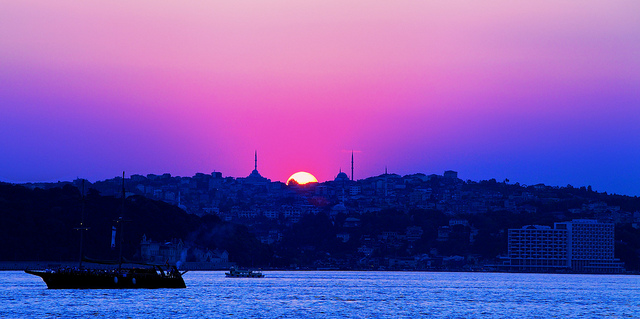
(581, 245)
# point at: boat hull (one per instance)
(106, 280)
(235, 273)
(244, 276)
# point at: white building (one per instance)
(156, 252)
(590, 246)
(538, 248)
(581, 245)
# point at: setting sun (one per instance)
(302, 178)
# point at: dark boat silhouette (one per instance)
(147, 276)
(88, 278)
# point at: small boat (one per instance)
(240, 273)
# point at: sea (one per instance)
(336, 294)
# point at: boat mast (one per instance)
(82, 228)
(121, 219)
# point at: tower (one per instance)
(255, 178)
(351, 164)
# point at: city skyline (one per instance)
(541, 92)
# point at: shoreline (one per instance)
(42, 265)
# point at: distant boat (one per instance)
(239, 273)
(150, 276)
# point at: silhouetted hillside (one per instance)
(39, 225)
(384, 222)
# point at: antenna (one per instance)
(82, 228)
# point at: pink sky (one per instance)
(546, 91)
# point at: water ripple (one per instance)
(336, 294)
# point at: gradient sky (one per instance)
(536, 92)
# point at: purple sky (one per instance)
(541, 92)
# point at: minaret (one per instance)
(385, 181)
(351, 164)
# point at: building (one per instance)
(255, 178)
(538, 248)
(590, 246)
(443, 233)
(414, 233)
(450, 174)
(342, 177)
(155, 252)
(581, 245)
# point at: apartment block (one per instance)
(580, 245)
(590, 246)
(538, 248)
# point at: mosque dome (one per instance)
(342, 176)
(255, 174)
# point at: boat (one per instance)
(88, 278)
(242, 273)
(147, 276)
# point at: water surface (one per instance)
(337, 294)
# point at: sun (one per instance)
(302, 178)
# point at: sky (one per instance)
(534, 92)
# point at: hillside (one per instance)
(39, 225)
